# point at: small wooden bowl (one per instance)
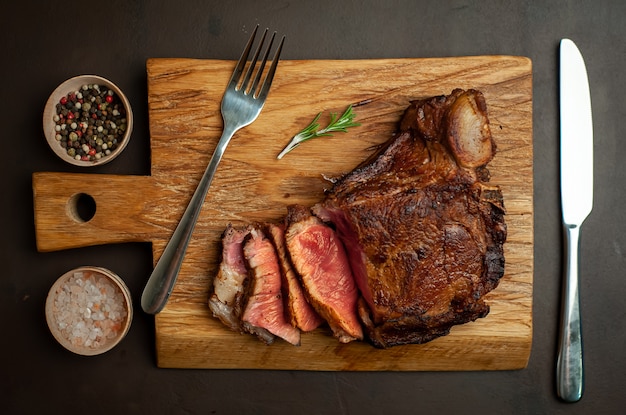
(66, 310)
(72, 85)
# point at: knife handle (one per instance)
(570, 357)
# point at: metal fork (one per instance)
(241, 104)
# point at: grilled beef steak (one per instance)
(423, 230)
(226, 299)
(298, 311)
(402, 248)
(264, 311)
(320, 260)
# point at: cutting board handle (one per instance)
(121, 212)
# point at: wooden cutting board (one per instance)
(251, 184)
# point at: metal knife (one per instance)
(576, 204)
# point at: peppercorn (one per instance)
(90, 122)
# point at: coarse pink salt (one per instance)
(87, 312)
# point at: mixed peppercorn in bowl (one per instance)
(87, 121)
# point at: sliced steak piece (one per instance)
(226, 299)
(319, 258)
(264, 313)
(298, 311)
(423, 229)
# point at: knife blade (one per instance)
(576, 144)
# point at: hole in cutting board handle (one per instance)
(81, 207)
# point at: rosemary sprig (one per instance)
(336, 124)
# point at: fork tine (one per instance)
(234, 79)
(265, 88)
(246, 79)
(262, 67)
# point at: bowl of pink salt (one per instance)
(89, 310)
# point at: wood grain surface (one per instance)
(251, 184)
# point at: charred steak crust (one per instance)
(423, 228)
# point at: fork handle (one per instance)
(570, 357)
(161, 282)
